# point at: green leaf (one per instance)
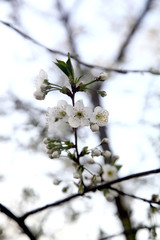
(62, 65)
(84, 151)
(118, 167)
(70, 67)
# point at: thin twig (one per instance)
(133, 196)
(121, 71)
(133, 30)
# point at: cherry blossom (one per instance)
(78, 114)
(39, 94)
(109, 172)
(99, 116)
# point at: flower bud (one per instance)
(50, 156)
(94, 127)
(104, 141)
(102, 93)
(96, 152)
(44, 87)
(103, 76)
(49, 151)
(45, 140)
(109, 197)
(106, 154)
(55, 154)
(39, 95)
(98, 179)
(90, 161)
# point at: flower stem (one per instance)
(76, 144)
(75, 129)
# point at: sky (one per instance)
(132, 99)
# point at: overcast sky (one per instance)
(132, 99)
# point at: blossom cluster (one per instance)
(92, 166)
(77, 115)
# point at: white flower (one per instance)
(109, 172)
(94, 127)
(40, 85)
(40, 78)
(57, 120)
(78, 114)
(59, 112)
(99, 116)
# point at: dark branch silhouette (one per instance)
(18, 220)
(133, 196)
(92, 189)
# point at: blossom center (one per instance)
(101, 116)
(63, 113)
(79, 115)
(110, 173)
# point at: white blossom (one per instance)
(58, 112)
(109, 172)
(40, 85)
(57, 120)
(78, 114)
(99, 116)
(40, 78)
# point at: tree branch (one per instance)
(18, 220)
(130, 231)
(133, 30)
(133, 196)
(116, 70)
(92, 189)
